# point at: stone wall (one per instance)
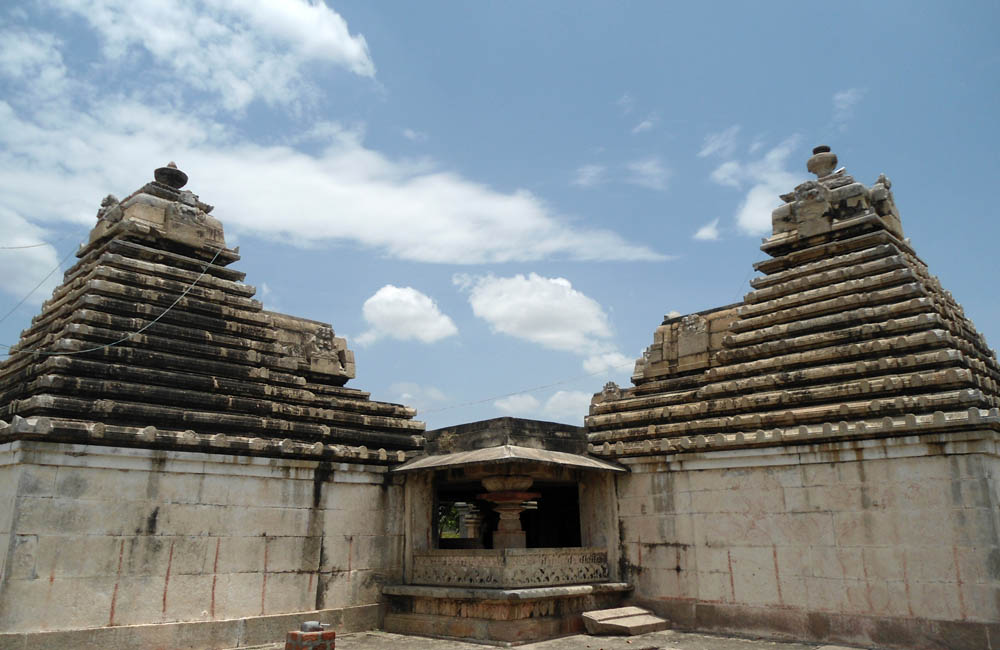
(891, 542)
(109, 536)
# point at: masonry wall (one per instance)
(892, 542)
(102, 536)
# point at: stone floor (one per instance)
(666, 640)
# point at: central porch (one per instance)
(510, 534)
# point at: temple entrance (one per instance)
(550, 520)
(510, 534)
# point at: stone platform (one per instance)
(496, 616)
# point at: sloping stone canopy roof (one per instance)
(153, 341)
(846, 334)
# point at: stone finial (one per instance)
(823, 162)
(171, 176)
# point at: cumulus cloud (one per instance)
(626, 103)
(22, 268)
(589, 175)
(414, 136)
(646, 124)
(416, 395)
(34, 59)
(844, 102)
(708, 232)
(89, 140)
(405, 314)
(763, 179)
(649, 173)
(722, 143)
(239, 51)
(566, 405)
(607, 363)
(522, 404)
(406, 210)
(545, 311)
(570, 405)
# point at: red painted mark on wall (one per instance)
(639, 545)
(906, 585)
(166, 579)
(118, 577)
(732, 583)
(958, 579)
(777, 574)
(868, 584)
(263, 589)
(215, 577)
(350, 553)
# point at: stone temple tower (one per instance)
(172, 452)
(820, 459)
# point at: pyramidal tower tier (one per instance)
(153, 341)
(846, 334)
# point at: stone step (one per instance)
(623, 620)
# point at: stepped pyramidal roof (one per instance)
(845, 334)
(152, 340)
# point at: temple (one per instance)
(817, 462)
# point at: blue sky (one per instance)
(491, 197)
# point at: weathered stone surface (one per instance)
(623, 620)
(153, 340)
(847, 327)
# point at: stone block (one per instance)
(237, 594)
(930, 563)
(288, 592)
(838, 563)
(754, 578)
(239, 555)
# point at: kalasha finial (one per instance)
(822, 162)
(171, 176)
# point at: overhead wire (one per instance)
(131, 334)
(527, 390)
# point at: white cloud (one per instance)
(548, 312)
(522, 404)
(646, 124)
(91, 140)
(405, 210)
(728, 173)
(649, 173)
(626, 103)
(767, 177)
(416, 395)
(608, 363)
(405, 314)
(569, 405)
(414, 136)
(844, 102)
(21, 269)
(589, 175)
(722, 143)
(240, 51)
(33, 58)
(708, 232)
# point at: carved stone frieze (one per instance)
(510, 568)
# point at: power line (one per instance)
(14, 248)
(135, 333)
(527, 390)
(37, 286)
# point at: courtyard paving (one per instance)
(666, 640)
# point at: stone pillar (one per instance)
(508, 494)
